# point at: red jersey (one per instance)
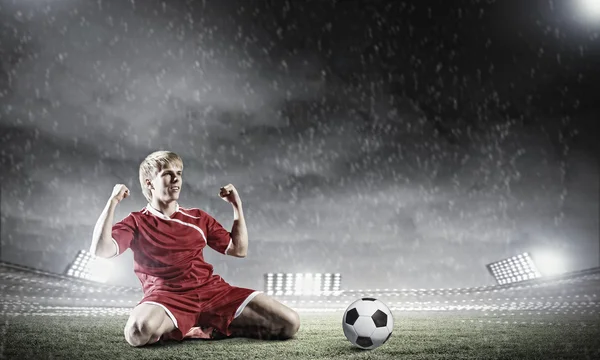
(167, 251)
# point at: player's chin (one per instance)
(174, 195)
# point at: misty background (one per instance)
(403, 144)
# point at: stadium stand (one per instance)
(28, 291)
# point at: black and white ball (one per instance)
(368, 323)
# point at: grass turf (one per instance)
(416, 336)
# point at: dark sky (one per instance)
(402, 144)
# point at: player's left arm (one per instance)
(239, 231)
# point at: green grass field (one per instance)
(416, 336)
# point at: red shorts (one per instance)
(213, 305)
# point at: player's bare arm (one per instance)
(102, 243)
(239, 232)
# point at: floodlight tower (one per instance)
(88, 266)
(302, 284)
(514, 269)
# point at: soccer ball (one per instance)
(368, 323)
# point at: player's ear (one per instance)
(149, 184)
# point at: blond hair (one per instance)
(153, 164)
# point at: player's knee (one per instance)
(292, 324)
(137, 333)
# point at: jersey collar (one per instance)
(157, 213)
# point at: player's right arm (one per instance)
(102, 243)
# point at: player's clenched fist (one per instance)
(120, 192)
(230, 194)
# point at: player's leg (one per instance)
(146, 324)
(265, 318)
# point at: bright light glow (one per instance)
(99, 269)
(590, 8)
(549, 263)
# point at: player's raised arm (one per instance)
(102, 243)
(239, 231)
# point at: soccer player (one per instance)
(182, 297)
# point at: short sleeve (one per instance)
(218, 238)
(123, 233)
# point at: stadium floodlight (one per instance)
(302, 283)
(514, 269)
(90, 267)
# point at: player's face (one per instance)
(167, 183)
